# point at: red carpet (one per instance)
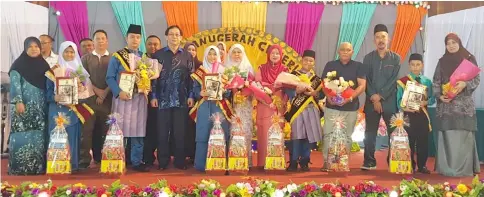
(380, 176)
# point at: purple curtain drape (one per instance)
(302, 24)
(73, 20)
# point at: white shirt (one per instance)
(52, 59)
(106, 53)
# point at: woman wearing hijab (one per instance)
(204, 109)
(27, 96)
(457, 151)
(190, 135)
(70, 65)
(242, 104)
(267, 76)
(223, 51)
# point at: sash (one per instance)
(123, 57)
(301, 101)
(402, 83)
(225, 106)
(82, 110)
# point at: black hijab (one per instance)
(450, 61)
(32, 69)
(196, 62)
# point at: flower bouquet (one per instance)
(238, 158)
(216, 155)
(337, 88)
(288, 80)
(275, 158)
(146, 69)
(338, 153)
(113, 158)
(466, 71)
(208, 188)
(78, 73)
(400, 160)
(260, 92)
(58, 153)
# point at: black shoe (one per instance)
(304, 163)
(140, 168)
(162, 168)
(183, 167)
(424, 170)
(366, 167)
(292, 166)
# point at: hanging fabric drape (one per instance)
(302, 24)
(73, 20)
(355, 22)
(130, 12)
(244, 14)
(407, 24)
(188, 21)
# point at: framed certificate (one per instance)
(67, 90)
(413, 95)
(126, 82)
(213, 85)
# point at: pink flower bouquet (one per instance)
(466, 71)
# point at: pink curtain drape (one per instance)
(73, 20)
(302, 24)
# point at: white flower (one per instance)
(266, 182)
(447, 188)
(371, 182)
(257, 189)
(328, 74)
(284, 190)
(163, 194)
(145, 194)
(240, 185)
(31, 186)
(13, 195)
(446, 183)
(430, 188)
(264, 195)
(49, 181)
(201, 186)
(68, 192)
(46, 185)
(294, 186)
(212, 186)
(279, 193)
(269, 185)
(247, 185)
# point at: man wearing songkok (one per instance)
(303, 114)
(381, 89)
(132, 106)
(355, 74)
(419, 128)
(170, 94)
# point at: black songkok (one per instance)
(415, 56)
(309, 53)
(380, 27)
(134, 29)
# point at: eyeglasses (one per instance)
(45, 42)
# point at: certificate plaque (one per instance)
(126, 82)
(413, 95)
(213, 86)
(67, 89)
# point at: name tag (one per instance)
(113, 137)
(399, 138)
(217, 137)
(59, 140)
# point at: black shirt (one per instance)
(352, 71)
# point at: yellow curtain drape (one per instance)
(182, 13)
(244, 14)
(407, 24)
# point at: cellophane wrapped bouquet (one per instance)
(113, 158)
(216, 155)
(466, 71)
(400, 160)
(275, 158)
(145, 70)
(289, 80)
(58, 153)
(338, 153)
(337, 88)
(238, 158)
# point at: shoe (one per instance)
(368, 167)
(424, 170)
(304, 163)
(184, 167)
(162, 168)
(140, 168)
(323, 169)
(292, 166)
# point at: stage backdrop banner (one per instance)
(127, 13)
(254, 41)
(244, 14)
(302, 24)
